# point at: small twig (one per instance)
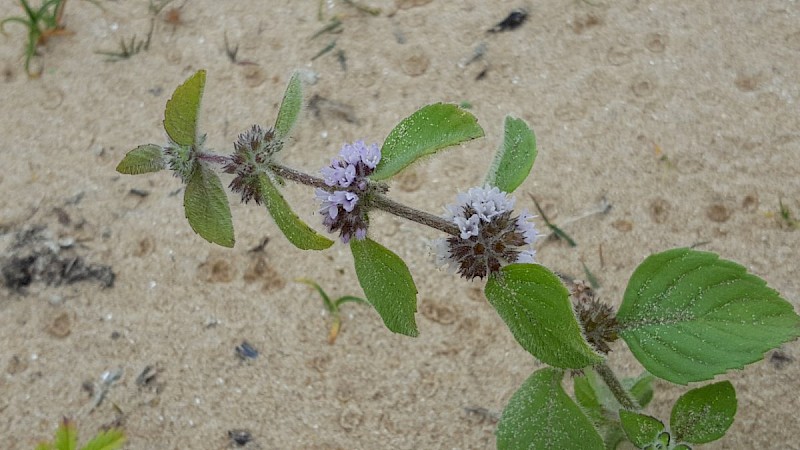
(327, 48)
(555, 231)
(230, 51)
(329, 28)
(364, 8)
(602, 208)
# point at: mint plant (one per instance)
(686, 315)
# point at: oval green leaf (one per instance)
(641, 388)
(206, 206)
(296, 231)
(180, 115)
(388, 285)
(428, 130)
(536, 307)
(688, 316)
(704, 414)
(595, 398)
(540, 415)
(290, 107)
(514, 159)
(142, 159)
(641, 429)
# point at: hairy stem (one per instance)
(384, 203)
(298, 177)
(377, 200)
(213, 158)
(622, 395)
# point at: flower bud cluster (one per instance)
(342, 206)
(253, 150)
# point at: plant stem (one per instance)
(384, 203)
(376, 200)
(298, 177)
(622, 395)
(213, 158)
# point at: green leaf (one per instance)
(595, 398)
(704, 414)
(540, 415)
(290, 107)
(206, 206)
(387, 284)
(587, 397)
(641, 429)
(641, 388)
(536, 307)
(688, 316)
(180, 116)
(514, 159)
(106, 440)
(142, 159)
(428, 130)
(66, 435)
(296, 231)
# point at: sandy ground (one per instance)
(683, 115)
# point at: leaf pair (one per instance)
(441, 125)
(205, 202)
(699, 416)
(686, 316)
(540, 415)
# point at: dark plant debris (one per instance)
(36, 256)
(240, 437)
(513, 21)
(233, 53)
(130, 48)
(320, 106)
(261, 246)
(325, 50)
(246, 351)
(334, 26)
(780, 359)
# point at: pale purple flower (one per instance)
(350, 171)
(489, 237)
(371, 155)
(468, 227)
(338, 175)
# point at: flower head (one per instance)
(341, 209)
(489, 237)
